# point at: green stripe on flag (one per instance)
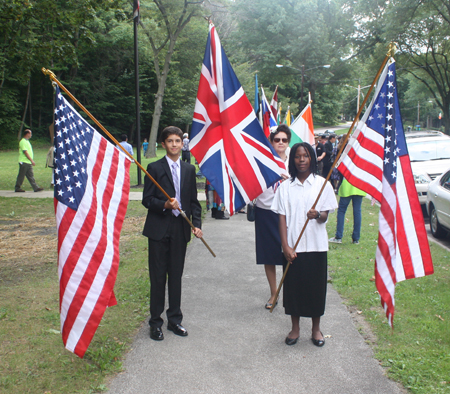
(294, 139)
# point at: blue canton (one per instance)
(384, 119)
(73, 138)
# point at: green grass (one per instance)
(9, 168)
(417, 351)
(32, 355)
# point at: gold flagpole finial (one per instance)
(391, 50)
(50, 73)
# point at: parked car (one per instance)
(429, 152)
(438, 205)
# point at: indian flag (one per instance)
(302, 128)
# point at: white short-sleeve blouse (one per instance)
(294, 200)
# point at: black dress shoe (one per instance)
(318, 342)
(156, 334)
(291, 341)
(177, 329)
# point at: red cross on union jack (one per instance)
(226, 139)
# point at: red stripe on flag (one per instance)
(386, 253)
(64, 224)
(260, 148)
(416, 211)
(370, 145)
(359, 183)
(385, 296)
(403, 247)
(107, 291)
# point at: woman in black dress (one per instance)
(267, 237)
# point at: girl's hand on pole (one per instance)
(289, 254)
(312, 214)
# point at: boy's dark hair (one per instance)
(312, 156)
(282, 128)
(26, 131)
(123, 137)
(170, 130)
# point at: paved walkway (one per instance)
(235, 345)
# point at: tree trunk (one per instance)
(41, 94)
(29, 105)
(151, 151)
(19, 135)
(446, 116)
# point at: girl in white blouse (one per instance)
(305, 285)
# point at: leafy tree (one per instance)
(34, 34)
(297, 34)
(167, 22)
(420, 28)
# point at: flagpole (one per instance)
(138, 114)
(388, 55)
(53, 78)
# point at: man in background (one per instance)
(26, 163)
(126, 145)
(185, 152)
(328, 159)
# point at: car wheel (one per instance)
(436, 228)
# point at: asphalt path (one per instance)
(237, 346)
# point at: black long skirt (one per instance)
(305, 285)
(267, 238)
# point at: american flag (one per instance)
(91, 197)
(376, 160)
(269, 120)
(226, 139)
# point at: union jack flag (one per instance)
(226, 139)
(92, 184)
(376, 160)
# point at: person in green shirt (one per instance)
(26, 163)
(348, 193)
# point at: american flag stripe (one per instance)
(91, 196)
(376, 160)
(227, 139)
(416, 245)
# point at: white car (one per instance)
(438, 205)
(429, 152)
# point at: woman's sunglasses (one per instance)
(285, 140)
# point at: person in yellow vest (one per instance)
(26, 164)
(348, 193)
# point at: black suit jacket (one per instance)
(329, 153)
(158, 219)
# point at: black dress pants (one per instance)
(166, 264)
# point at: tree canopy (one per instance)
(89, 45)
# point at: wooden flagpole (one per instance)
(53, 78)
(338, 156)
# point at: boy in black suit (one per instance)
(168, 233)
